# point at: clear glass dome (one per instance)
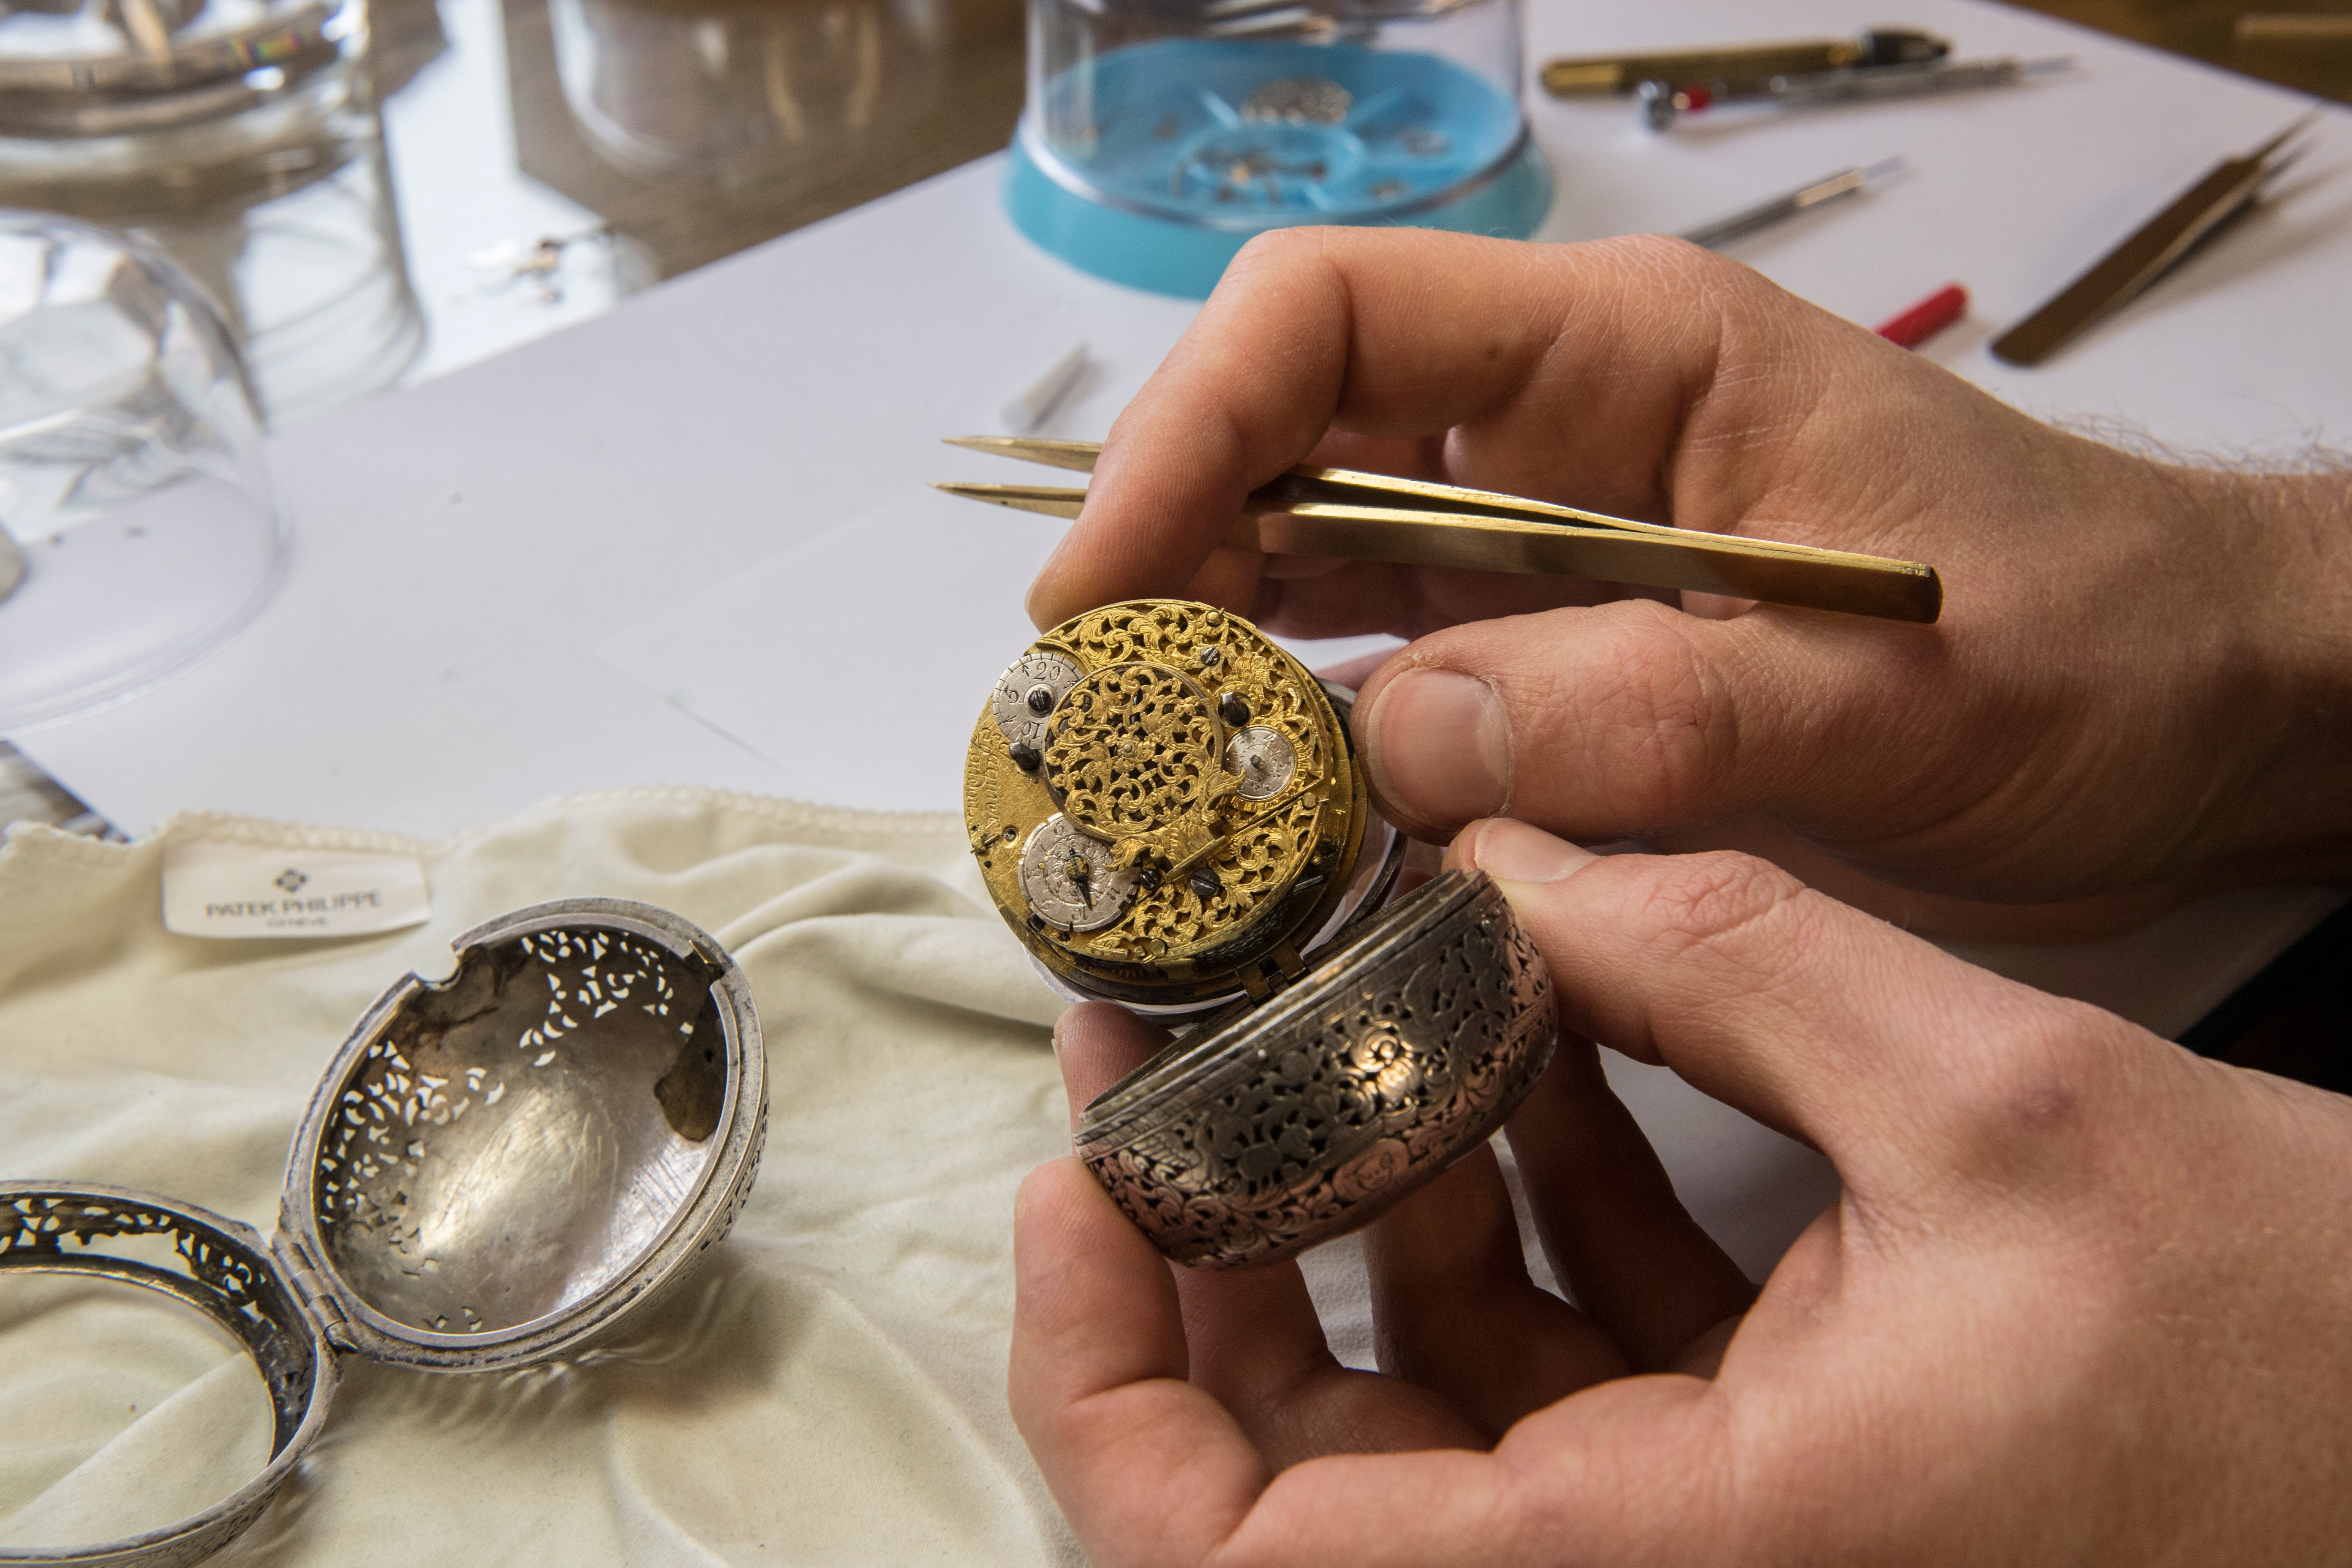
(744, 91)
(1251, 114)
(240, 137)
(137, 525)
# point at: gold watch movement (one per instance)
(1166, 808)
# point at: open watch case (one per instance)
(497, 1169)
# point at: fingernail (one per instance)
(1512, 851)
(1438, 744)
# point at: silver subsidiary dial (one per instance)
(1266, 760)
(1067, 879)
(1025, 695)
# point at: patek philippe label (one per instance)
(244, 891)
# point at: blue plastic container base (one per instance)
(1169, 256)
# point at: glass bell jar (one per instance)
(138, 527)
(1160, 135)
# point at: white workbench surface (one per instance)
(463, 548)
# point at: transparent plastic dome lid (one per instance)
(1251, 114)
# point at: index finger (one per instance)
(1925, 1080)
(1533, 358)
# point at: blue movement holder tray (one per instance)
(1186, 148)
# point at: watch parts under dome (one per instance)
(1166, 806)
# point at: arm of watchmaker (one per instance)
(2137, 689)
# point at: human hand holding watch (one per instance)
(2084, 1296)
(2125, 703)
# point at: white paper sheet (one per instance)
(857, 662)
(852, 661)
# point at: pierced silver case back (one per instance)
(499, 1166)
(495, 1170)
(1271, 1130)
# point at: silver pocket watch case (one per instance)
(1281, 1124)
(497, 1169)
(1167, 812)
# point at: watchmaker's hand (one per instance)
(2128, 698)
(2082, 1299)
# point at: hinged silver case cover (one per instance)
(495, 1170)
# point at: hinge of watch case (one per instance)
(1271, 973)
(311, 1291)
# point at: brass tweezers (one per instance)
(2198, 214)
(1378, 517)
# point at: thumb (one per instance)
(1901, 1063)
(1629, 718)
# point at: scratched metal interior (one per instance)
(515, 1138)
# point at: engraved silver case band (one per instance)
(497, 1170)
(1269, 1130)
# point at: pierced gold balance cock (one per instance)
(1166, 808)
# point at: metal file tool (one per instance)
(1574, 76)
